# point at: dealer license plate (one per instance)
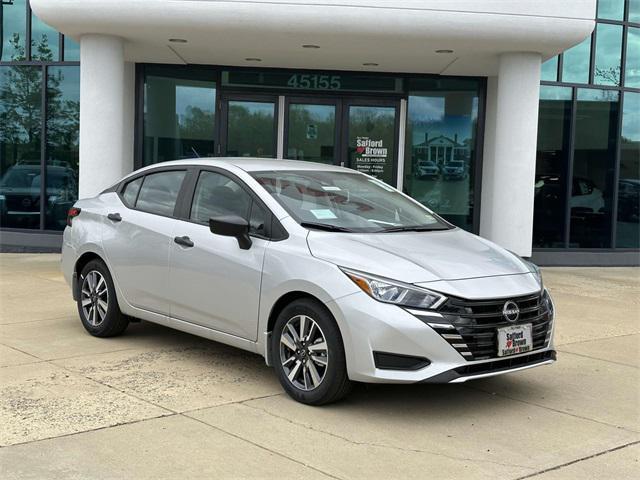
(515, 339)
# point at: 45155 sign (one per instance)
(315, 82)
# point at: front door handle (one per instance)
(184, 241)
(114, 217)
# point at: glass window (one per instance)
(608, 52)
(371, 142)
(20, 133)
(71, 50)
(593, 168)
(552, 158)
(179, 117)
(440, 154)
(130, 193)
(14, 30)
(634, 11)
(344, 201)
(251, 129)
(257, 219)
(217, 195)
(632, 73)
(44, 41)
(550, 70)
(628, 231)
(159, 192)
(575, 62)
(63, 123)
(611, 9)
(311, 132)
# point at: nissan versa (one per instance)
(330, 274)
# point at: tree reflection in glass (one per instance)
(63, 123)
(20, 134)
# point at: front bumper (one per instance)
(368, 326)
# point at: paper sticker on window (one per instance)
(323, 214)
(330, 188)
(312, 132)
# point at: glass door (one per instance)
(357, 133)
(311, 130)
(249, 127)
(370, 146)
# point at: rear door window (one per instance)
(159, 192)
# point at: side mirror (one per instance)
(232, 226)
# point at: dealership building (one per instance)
(515, 120)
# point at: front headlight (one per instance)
(397, 293)
(548, 303)
(533, 268)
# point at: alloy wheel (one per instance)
(94, 297)
(304, 352)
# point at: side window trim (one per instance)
(123, 184)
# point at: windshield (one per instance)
(344, 201)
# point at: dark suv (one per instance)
(20, 196)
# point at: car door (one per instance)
(212, 281)
(138, 234)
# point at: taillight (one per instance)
(73, 212)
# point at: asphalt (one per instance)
(156, 403)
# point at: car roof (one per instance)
(250, 164)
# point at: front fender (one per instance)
(290, 268)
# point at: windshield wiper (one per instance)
(415, 228)
(325, 226)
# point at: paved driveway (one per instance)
(156, 403)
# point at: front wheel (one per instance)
(308, 354)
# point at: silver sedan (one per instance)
(330, 274)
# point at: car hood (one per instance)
(416, 257)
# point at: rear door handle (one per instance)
(114, 217)
(184, 241)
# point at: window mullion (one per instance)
(43, 148)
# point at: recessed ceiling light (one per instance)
(370, 64)
(253, 59)
(310, 45)
(177, 40)
(444, 50)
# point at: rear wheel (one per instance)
(308, 354)
(97, 302)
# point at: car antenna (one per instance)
(196, 152)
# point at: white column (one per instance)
(106, 113)
(509, 159)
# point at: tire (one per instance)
(308, 358)
(96, 319)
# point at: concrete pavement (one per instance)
(156, 403)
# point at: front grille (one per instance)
(472, 325)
